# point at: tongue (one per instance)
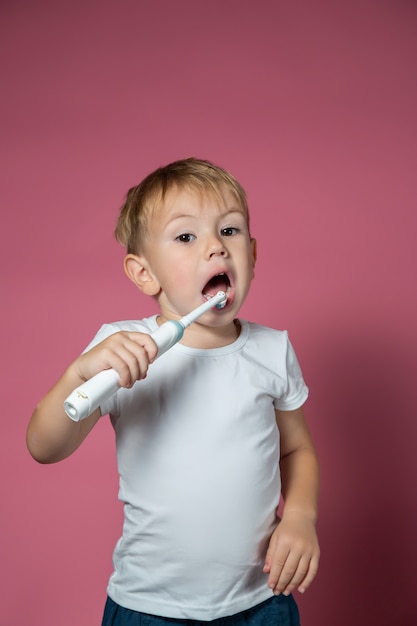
(217, 283)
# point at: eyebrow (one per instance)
(178, 216)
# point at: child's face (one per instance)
(198, 245)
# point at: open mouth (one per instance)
(219, 282)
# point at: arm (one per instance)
(293, 553)
(51, 434)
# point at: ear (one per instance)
(254, 246)
(138, 270)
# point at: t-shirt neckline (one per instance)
(205, 352)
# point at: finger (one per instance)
(269, 555)
(128, 357)
(296, 577)
(133, 363)
(310, 575)
(287, 572)
(146, 342)
(276, 569)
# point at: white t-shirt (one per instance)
(198, 458)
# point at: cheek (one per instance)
(182, 272)
(248, 261)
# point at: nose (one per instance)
(215, 247)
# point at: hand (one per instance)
(129, 353)
(293, 554)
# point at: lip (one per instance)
(228, 278)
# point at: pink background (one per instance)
(312, 105)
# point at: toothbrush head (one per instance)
(222, 303)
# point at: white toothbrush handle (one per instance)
(91, 394)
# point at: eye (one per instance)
(229, 231)
(185, 238)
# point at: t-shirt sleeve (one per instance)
(296, 392)
(105, 331)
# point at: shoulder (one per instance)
(146, 325)
(264, 344)
(260, 333)
(272, 347)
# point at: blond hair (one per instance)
(196, 174)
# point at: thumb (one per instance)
(268, 556)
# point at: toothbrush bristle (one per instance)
(222, 303)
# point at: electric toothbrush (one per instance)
(90, 395)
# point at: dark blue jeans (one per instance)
(277, 611)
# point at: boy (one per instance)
(202, 439)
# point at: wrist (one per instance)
(74, 374)
(299, 512)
